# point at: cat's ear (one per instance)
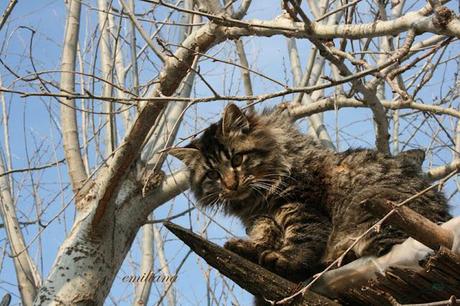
(186, 155)
(234, 120)
(415, 155)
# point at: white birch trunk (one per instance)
(87, 262)
(112, 210)
(26, 272)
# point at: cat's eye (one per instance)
(237, 159)
(213, 174)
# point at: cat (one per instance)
(299, 201)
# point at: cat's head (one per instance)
(236, 159)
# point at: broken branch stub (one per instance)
(248, 275)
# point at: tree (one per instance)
(395, 59)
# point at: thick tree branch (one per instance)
(171, 186)
(245, 75)
(175, 69)
(241, 11)
(246, 274)
(106, 64)
(331, 103)
(147, 264)
(168, 286)
(417, 21)
(209, 6)
(284, 26)
(68, 117)
(316, 122)
(440, 172)
(411, 222)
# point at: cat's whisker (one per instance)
(269, 188)
(213, 196)
(272, 183)
(287, 176)
(209, 195)
(259, 192)
(297, 197)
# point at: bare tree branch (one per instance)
(209, 6)
(143, 288)
(442, 171)
(412, 223)
(36, 168)
(331, 103)
(164, 267)
(141, 30)
(106, 58)
(285, 26)
(26, 272)
(245, 75)
(242, 10)
(68, 117)
(7, 12)
(170, 77)
(246, 274)
(6, 300)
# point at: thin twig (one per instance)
(337, 10)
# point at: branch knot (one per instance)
(442, 17)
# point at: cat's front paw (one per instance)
(283, 265)
(245, 248)
(274, 261)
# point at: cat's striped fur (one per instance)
(298, 200)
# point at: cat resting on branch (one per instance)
(299, 202)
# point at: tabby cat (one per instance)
(299, 201)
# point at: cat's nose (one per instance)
(230, 181)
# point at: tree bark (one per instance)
(68, 117)
(248, 275)
(412, 223)
(113, 209)
(86, 265)
(26, 272)
(106, 64)
(101, 236)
